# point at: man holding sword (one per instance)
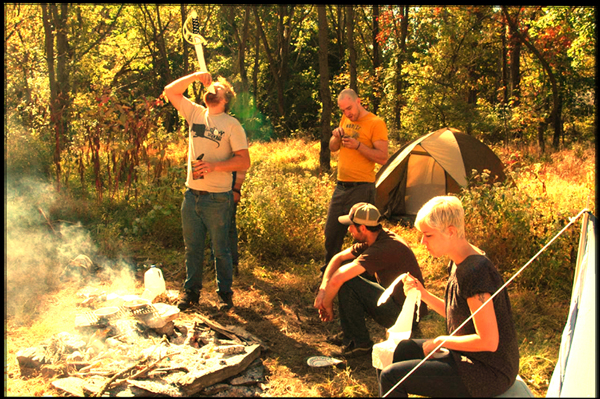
(217, 147)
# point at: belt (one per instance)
(198, 192)
(346, 184)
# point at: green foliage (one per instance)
(283, 215)
(123, 147)
(284, 204)
(157, 207)
(511, 222)
(26, 152)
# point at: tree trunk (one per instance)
(159, 55)
(241, 42)
(398, 102)
(186, 66)
(325, 156)
(55, 119)
(255, 70)
(242, 58)
(160, 43)
(352, 49)
(515, 68)
(556, 101)
(376, 59)
(272, 64)
(341, 26)
(504, 63)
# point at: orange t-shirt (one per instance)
(352, 165)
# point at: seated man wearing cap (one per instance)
(381, 254)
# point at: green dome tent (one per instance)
(435, 164)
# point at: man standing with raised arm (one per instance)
(217, 147)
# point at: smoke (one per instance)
(37, 251)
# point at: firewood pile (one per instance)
(146, 352)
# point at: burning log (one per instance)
(113, 378)
(31, 358)
(200, 378)
(57, 233)
(240, 332)
(158, 386)
(120, 355)
(81, 267)
(220, 329)
(253, 375)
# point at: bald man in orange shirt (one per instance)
(362, 142)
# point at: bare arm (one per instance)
(335, 276)
(486, 337)
(240, 176)
(431, 300)
(239, 162)
(336, 139)
(174, 90)
(377, 154)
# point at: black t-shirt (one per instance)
(484, 373)
(388, 258)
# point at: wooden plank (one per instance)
(239, 331)
(219, 328)
(72, 385)
(80, 387)
(197, 380)
(157, 386)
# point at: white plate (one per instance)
(106, 312)
(322, 361)
(442, 352)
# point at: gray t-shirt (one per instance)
(215, 136)
(483, 373)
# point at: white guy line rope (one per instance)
(571, 221)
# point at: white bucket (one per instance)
(154, 283)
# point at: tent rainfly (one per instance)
(575, 371)
(435, 164)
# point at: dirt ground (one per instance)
(277, 308)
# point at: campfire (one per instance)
(125, 345)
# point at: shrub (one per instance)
(283, 215)
(514, 220)
(156, 209)
(284, 204)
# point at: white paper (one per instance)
(383, 352)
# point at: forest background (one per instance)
(95, 156)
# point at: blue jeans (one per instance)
(433, 378)
(202, 214)
(357, 298)
(233, 241)
(341, 201)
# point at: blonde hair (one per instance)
(441, 212)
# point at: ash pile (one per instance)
(139, 349)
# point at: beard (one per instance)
(211, 99)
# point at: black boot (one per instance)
(188, 299)
(225, 301)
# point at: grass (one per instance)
(274, 292)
